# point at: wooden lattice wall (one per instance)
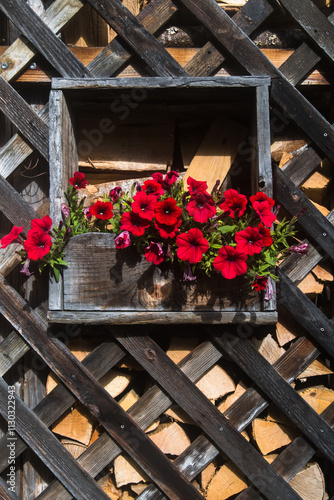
(29, 345)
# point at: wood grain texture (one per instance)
(16, 209)
(115, 420)
(44, 443)
(148, 408)
(44, 39)
(279, 391)
(306, 313)
(5, 493)
(137, 37)
(24, 118)
(207, 416)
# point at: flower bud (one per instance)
(302, 248)
(65, 210)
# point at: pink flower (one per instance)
(44, 224)
(261, 196)
(37, 245)
(201, 207)
(167, 231)
(144, 204)
(25, 268)
(249, 241)
(266, 235)
(231, 262)
(191, 245)
(154, 253)
(187, 273)
(87, 213)
(123, 240)
(167, 212)
(134, 224)
(115, 193)
(196, 187)
(269, 291)
(65, 210)
(302, 248)
(12, 237)
(234, 203)
(78, 181)
(262, 208)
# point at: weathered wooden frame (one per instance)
(64, 161)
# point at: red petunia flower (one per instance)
(196, 187)
(231, 262)
(266, 235)
(115, 193)
(249, 241)
(260, 283)
(170, 178)
(158, 177)
(152, 187)
(154, 253)
(102, 210)
(134, 224)
(78, 181)
(261, 196)
(37, 244)
(123, 240)
(201, 207)
(44, 225)
(191, 245)
(234, 202)
(167, 231)
(143, 205)
(12, 237)
(262, 208)
(167, 212)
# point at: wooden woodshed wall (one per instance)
(258, 423)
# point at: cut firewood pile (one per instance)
(173, 431)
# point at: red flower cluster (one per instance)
(38, 242)
(201, 205)
(78, 181)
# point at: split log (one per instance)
(319, 397)
(322, 272)
(115, 382)
(180, 347)
(217, 152)
(77, 425)
(207, 474)
(270, 436)
(309, 483)
(231, 398)
(315, 369)
(216, 383)
(138, 488)
(129, 399)
(316, 187)
(170, 438)
(287, 329)
(322, 209)
(109, 487)
(269, 348)
(179, 415)
(285, 145)
(75, 448)
(127, 472)
(227, 481)
(310, 285)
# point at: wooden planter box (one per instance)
(102, 285)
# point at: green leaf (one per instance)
(56, 273)
(226, 229)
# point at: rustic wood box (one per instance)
(102, 285)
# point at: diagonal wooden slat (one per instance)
(73, 374)
(312, 220)
(21, 52)
(11, 350)
(138, 38)
(44, 39)
(5, 494)
(14, 207)
(149, 407)
(279, 391)
(201, 452)
(205, 414)
(313, 22)
(301, 166)
(47, 447)
(227, 33)
(102, 359)
(306, 313)
(24, 118)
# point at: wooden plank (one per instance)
(161, 317)
(5, 493)
(20, 53)
(280, 391)
(306, 313)
(44, 39)
(24, 118)
(101, 405)
(301, 166)
(47, 447)
(297, 267)
(150, 406)
(11, 350)
(253, 60)
(9, 259)
(16, 209)
(312, 221)
(137, 37)
(240, 413)
(102, 359)
(204, 414)
(313, 22)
